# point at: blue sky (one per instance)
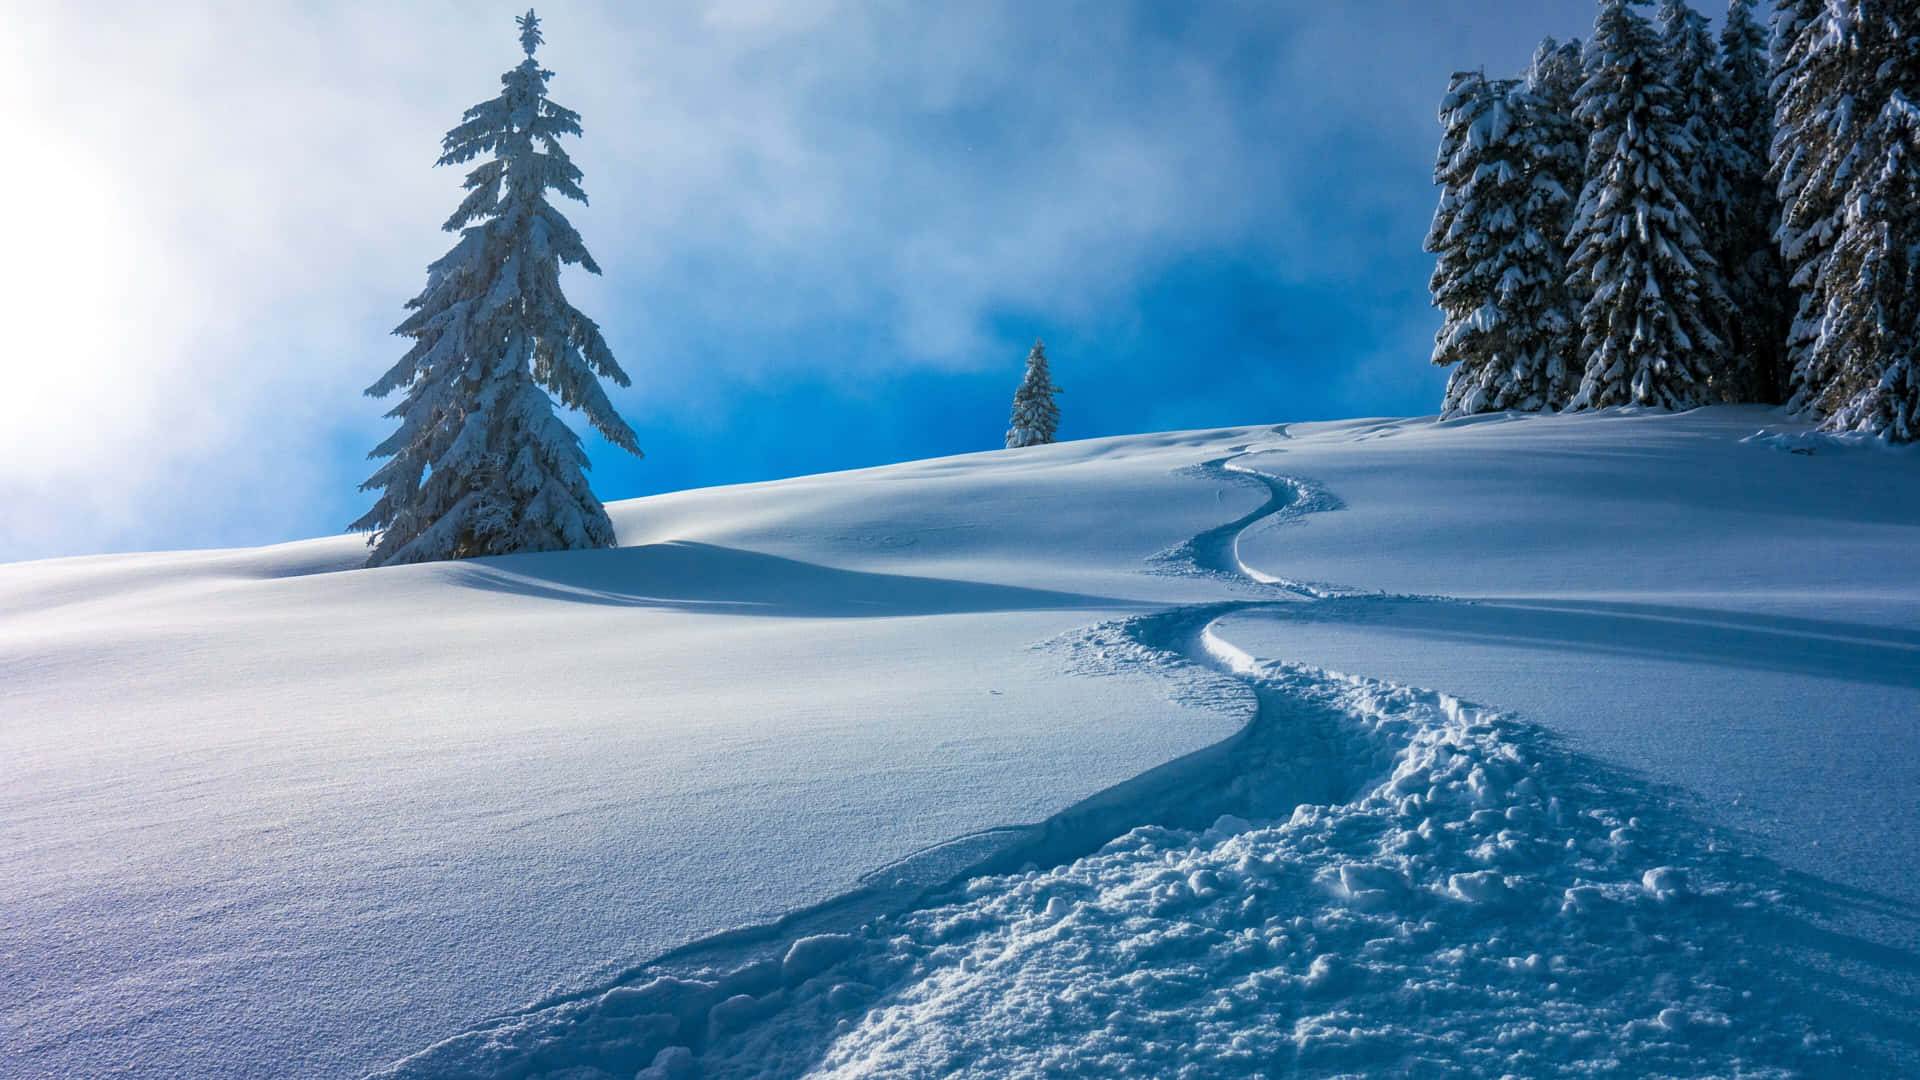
(829, 231)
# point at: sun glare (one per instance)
(64, 288)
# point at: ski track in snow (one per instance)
(1216, 552)
(1366, 879)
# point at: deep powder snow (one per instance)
(266, 819)
(1392, 882)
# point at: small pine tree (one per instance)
(1638, 253)
(480, 464)
(1035, 416)
(1499, 276)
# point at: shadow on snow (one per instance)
(705, 578)
(1853, 652)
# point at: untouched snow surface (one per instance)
(1657, 811)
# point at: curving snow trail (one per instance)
(1216, 552)
(1366, 879)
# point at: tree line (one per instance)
(1659, 218)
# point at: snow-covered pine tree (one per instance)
(1814, 82)
(1744, 210)
(1035, 416)
(1556, 74)
(1498, 280)
(1559, 150)
(1869, 335)
(1693, 70)
(1638, 253)
(1460, 284)
(480, 464)
(1555, 77)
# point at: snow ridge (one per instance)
(1367, 879)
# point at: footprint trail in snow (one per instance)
(1368, 879)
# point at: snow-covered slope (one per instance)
(267, 815)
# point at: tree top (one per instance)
(530, 38)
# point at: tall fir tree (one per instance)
(1560, 151)
(1035, 416)
(1473, 185)
(1499, 278)
(480, 465)
(1693, 70)
(1554, 77)
(1815, 83)
(1868, 341)
(1745, 210)
(1638, 253)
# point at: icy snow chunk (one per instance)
(1362, 877)
(1224, 826)
(666, 995)
(1325, 974)
(740, 1010)
(1367, 887)
(1204, 884)
(1665, 882)
(1481, 786)
(809, 956)
(848, 996)
(1531, 964)
(1583, 900)
(757, 978)
(1478, 887)
(673, 1063)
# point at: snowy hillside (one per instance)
(1541, 746)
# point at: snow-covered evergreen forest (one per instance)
(1659, 217)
